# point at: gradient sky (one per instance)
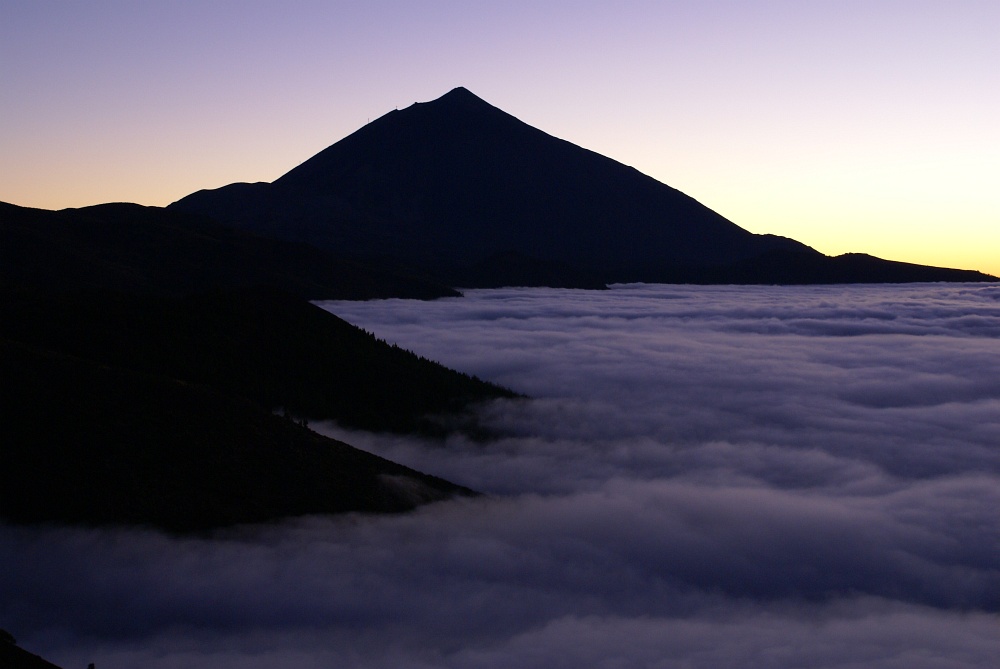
(850, 126)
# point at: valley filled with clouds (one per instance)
(705, 476)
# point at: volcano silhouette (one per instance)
(469, 195)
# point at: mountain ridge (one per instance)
(450, 185)
(134, 248)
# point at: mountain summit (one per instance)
(470, 195)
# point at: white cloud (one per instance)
(709, 477)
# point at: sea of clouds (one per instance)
(704, 477)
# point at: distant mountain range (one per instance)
(465, 194)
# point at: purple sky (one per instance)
(851, 126)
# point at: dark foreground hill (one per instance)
(474, 197)
(13, 656)
(95, 445)
(266, 346)
(144, 354)
(159, 411)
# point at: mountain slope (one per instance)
(466, 191)
(262, 345)
(13, 656)
(144, 353)
(161, 411)
(92, 444)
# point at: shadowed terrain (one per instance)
(13, 656)
(132, 410)
(144, 355)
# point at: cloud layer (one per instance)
(708, 477)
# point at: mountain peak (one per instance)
(462, 190)
(461, 96)
(460, 91)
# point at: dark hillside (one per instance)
(791, 268)
(162, 411)
(87, 443)
(261, 345)
(13, 656)
(144, 353)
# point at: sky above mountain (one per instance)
(850, 126)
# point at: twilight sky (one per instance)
(851, 126)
